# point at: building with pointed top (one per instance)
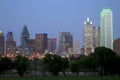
(24, 36)
(24, 41)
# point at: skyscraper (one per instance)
(9, 36)
(96, 37)
(24, 41)
(65, 42)
(106, 28)
(2, 43)
(41, 42)
(76, 48)
(116, 46)
(52, 44)
(31, 45)
(88, 37)
(10, 44)
(24, 36)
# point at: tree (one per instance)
(85, 64)
(117, 64)
(105, 60)
(75, 67)
(65, 65)
(54, 63)
(5, 64)
(21, 64)
(91, 62)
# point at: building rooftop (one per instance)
(1, 33)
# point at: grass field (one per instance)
(64, 78)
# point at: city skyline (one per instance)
(54, 16)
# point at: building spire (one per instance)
(88, 19)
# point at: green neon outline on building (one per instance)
(103, 24)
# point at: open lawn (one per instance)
(64, 78)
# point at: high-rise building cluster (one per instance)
(65, 42)
(34, 47)
(99, 36)
(8, 47)
(28, 46)
(92, 37)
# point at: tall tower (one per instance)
(41, 42)
(24, 41)
(116, 46)
(76, 49)
(96, 37)
(9, 36)
(24, 36)
(52, 44)
(65, 42)
(106, 28)
(88, 37)
(2, 44)
(10, 44)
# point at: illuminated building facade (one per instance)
(116, 46)
(106, 28)
(24, 36)
(76, 48)
(2, 43)
(65, 42)
(41, 42)
(91, 37)
(10, 44)
(24, 41)
(88, 37)
(96, 37)
(52, 44)
(31, 45)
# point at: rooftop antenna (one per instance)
(88, 19)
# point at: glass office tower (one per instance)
(106, 30)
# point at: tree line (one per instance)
(104, 61)
(20, 64)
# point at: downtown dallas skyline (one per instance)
(54, 16)
(48, 34)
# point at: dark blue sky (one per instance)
(54, 16)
